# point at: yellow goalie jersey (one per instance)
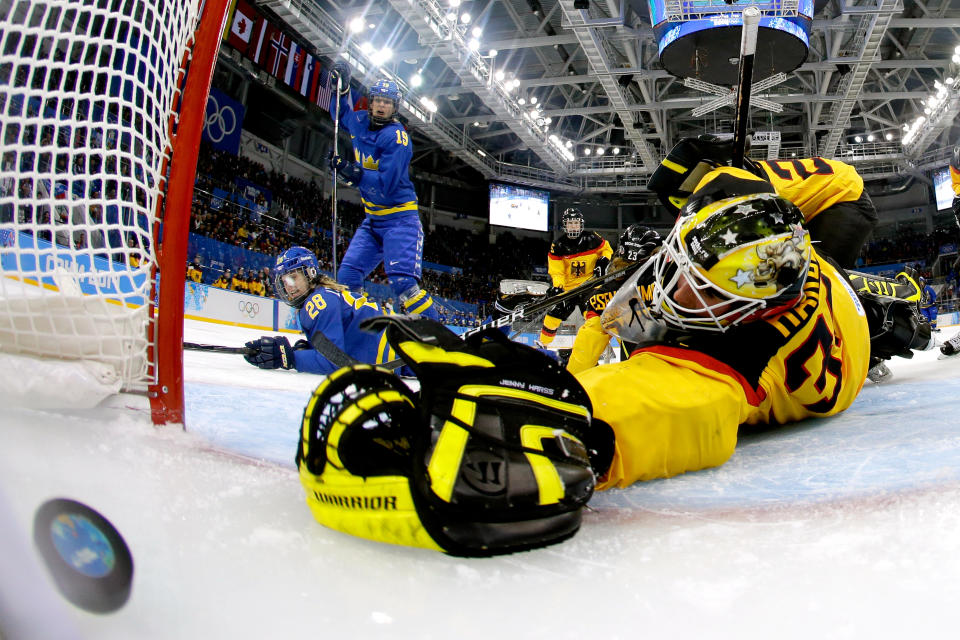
(571, 262)
(678, 408)
(813, 184)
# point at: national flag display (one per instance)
(241, 27)
(278, 53)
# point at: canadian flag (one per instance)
(244, 17)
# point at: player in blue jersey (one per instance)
(324, 307)
(928, 303)
(391, 231)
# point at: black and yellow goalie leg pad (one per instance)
(490, 457)
(354, 456)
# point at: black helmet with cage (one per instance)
(636, 243)
(572, 222)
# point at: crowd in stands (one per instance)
(908, 246)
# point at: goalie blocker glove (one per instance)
(492, 456)
(688, 162)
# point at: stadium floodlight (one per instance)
(615, 151)
(357, 25)
(477, 32)
(465, 18)
(416, 80)
(492, 53)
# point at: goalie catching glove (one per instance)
(492, 456)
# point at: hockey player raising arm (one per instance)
(323, 307)
(378, 166)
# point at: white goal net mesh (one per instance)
(87, 90)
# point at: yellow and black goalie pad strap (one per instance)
(904, 286)
(508, 470)
(357, 448)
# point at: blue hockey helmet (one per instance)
(384, 89)
(287, 286)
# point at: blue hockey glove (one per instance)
(270, 352)
(349, 172)
(342, 69)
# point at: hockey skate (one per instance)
(879, 371)
(950, 348)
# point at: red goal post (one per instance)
(102, 104)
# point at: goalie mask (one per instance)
(735, 260)
(490, 458)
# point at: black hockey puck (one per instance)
(87, 557)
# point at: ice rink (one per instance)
(840, 528)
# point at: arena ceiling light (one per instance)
(357, 24)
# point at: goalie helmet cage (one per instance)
(102, 105)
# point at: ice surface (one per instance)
(840, 528)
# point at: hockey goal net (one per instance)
(102, 104)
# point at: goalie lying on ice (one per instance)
(738, 322)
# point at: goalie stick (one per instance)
(525, 311)
(748, 47)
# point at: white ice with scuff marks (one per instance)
(841, 528)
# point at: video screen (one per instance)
(519, 207)
(943, 188)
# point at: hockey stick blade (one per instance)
(577, 292)
(216, 348)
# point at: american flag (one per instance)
(326, 90)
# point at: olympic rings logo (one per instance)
(249, 309)
(221, 121)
